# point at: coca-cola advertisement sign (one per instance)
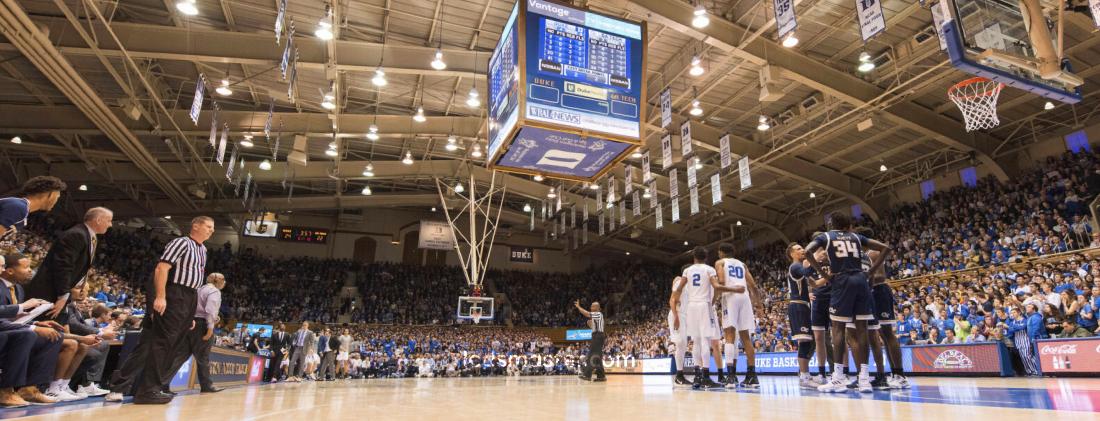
(1070, 356)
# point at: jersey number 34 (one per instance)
(846, 249)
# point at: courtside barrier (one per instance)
(1069, 356)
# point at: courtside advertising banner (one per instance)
(1069, 356)
(229, 367)
(982, 358)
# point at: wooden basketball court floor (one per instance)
(621, 398)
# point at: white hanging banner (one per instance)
(659, 217)
(675, 203)
(1094, 7)
(724, 150)
(673, 184)
(545, 208)
(653, 195)
(871, 21)
(611, 218)
(572, 217)
(584, 215)
(646, 174)
(611, 190)
(636, 203)
(622, 212)
(247, 186)
(685, 139)
(196, 105)
(576, 244)
(600, 217)
(743, 172)
(784, 17)
(694, 197)
(557, 206)
(666, 108)
(232, 161)
(599, 200)
(715, 189)
(279, 21)
(666, 152)
(214, 127)
(584, 235)
(532, 220)
(691, 174)
(221, 145)
(270, 114)
(628, 182)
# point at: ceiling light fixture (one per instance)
(187, 7)
(17, 140)
(594, 186)
(696, 110)
(473, 100)
(379, 78)
(331, 151)
(551, 194)
(1048, 106)
(882, 168)
(812, 195)
(247, 141)
(700, 19)
(685, 242)
(790, 41)
(647, 194)
(538, 177)
(366, 191)
(368, 171)
(459, 188)
(526, 208)
(763, 124)
(224, 90)
(865, 63)
(738, 222)
(329, 101)
(372, 132)
(324, 26)
(419, 117)
(696, 67)
(83, 187)
(265, 165)
(408, 160)
(698, 163)
(452, 144)
(438, 62)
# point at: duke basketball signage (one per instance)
(522, 255)
(1076, 356)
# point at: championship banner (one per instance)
(659, 217)
(694, 196)
(436, 235)
(982, 358)
(673, 184)
(532, 220)
(628, 181)
(685, 139)
(653, 195)
(784, 17)
(214, 127)
(691, 174)
(871, 21)
(231, 166)
(196, 105)
(666, 108)
(724, 150)
(666, 151)
(675, 203)
(646, 174)
(743, 172)
(599, 216)
(557, 205)
(611, 190)
(1094, 7)
(1072, 356)
(599, 200)
(221, 145)
(584, 215)
(611, 218)
(572, 217)
(715, 189)
(636, 203)
(622, 212)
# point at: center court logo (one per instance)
(953, 359)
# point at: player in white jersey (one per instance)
(738, 320)
(677, 331)
(696, 294)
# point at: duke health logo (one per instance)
(953, 359)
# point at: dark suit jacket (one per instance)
(8, 309)
(76, 323)
(67, 262)
(277, 344)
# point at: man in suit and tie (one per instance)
(46, 354)
(279, 343)
(328, 355)
(298, 347)
(68, 261)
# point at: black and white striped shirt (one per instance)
(188, 260)
(597, 321)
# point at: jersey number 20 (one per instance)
(737, 272)
(846, 249)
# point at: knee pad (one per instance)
(806, 349)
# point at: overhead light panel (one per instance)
(452, 144)
(419, 117)
(331, 151)
(700, 19)
(17, 140)
(372, 132)
(476, 153)
(538, 177)
(1048, 106)
(379, 78)
(324, 26)
(265, 165)
(473, 100)
(738, 222)
(696, 109)
(865, 63)
(696, 67)
(647, 194)
(882, 168)
(187, 7)
(438, 62)
(367, 191)
(790, 41)
(224, 90)
(459, 188)
(551, 194)
(368, 171)
(408, 160)
(526, 208)
(247, 141)
(83, 187)
(763, 125)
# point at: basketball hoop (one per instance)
(475, 314)
(977, 99)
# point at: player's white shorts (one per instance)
(737, 312)
(313, 358)
(677, 335)
(342, 356)
(701, 323)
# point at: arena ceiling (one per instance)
(100, 91)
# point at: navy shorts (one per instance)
(884, 304)
(851, 298)
(819, 312)
(799, 315)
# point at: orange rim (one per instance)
(951, 91)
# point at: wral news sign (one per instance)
(522, 255)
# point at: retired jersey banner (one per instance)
(611, 217)
(1094, 7)
(666, 152)
(937, 22)
(622, 212)
(691, 174)
(784, 17)
(675, 203)
(659, 217)
(628, 182)
(694, 196)
(743, 172)
(685, 139)
(196, 104)
(221, 145)
(673, 183)
(666, 108)
(214, 127)
(653, 195)
(646, 174)
(636, 203)
(600, 217)
(724, 150)
(871, 21)
(715, 189)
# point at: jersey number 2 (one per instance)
(846, 248)
(695, 279)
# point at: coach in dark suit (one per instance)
(279, 343)
(68, 261)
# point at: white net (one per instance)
(475, 314)
(977, 99)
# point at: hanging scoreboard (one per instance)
(567, 91)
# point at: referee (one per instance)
(170, 304)
(595, 346)
(200, 338)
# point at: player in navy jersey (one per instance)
(850, 300)
(798, 311)
(819, 314)
(884, 313)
